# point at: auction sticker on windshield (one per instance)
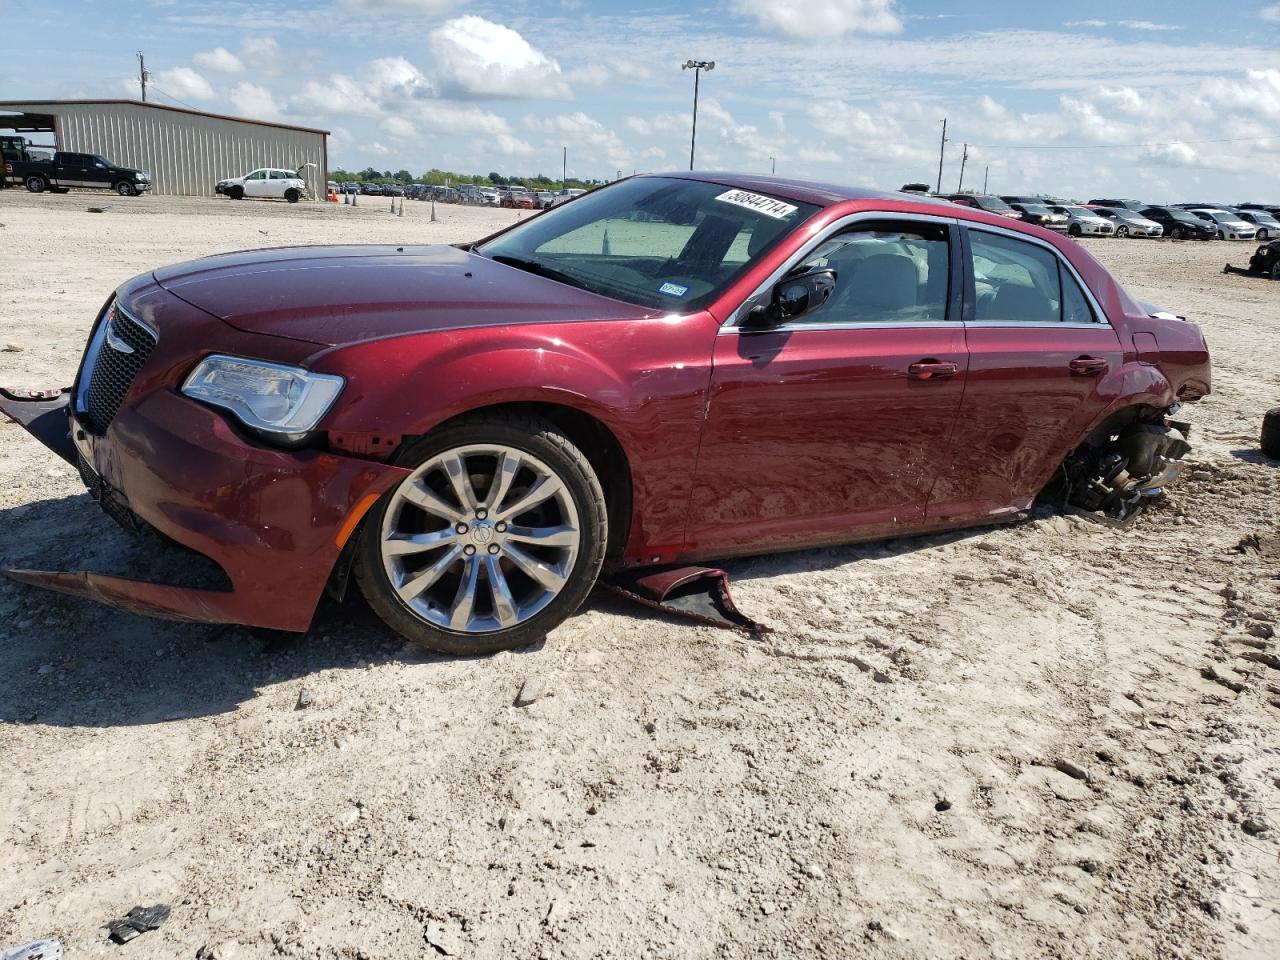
(759, 203)
(673, 289)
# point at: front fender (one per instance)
(643, 380)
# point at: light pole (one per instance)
(697, 66)
(773, 165)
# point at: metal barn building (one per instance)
(185, 151)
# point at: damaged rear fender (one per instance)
(1136, 389)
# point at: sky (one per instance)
(1157, 100)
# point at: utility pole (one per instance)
(564, 167)
(963, 157)
(697, 66)
(942, 150)
(985, 171)
(143, 76)
(773, 165)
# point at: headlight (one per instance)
(284, 403)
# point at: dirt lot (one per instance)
(1044, 740)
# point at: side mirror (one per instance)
(792, 297)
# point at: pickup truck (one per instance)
(67, 170)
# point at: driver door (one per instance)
(833, 426)
(255, 184)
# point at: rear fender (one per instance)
(1132, 385)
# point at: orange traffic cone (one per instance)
(333, 196)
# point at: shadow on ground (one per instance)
(71, 662)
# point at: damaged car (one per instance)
(670, 369)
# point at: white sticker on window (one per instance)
(673, 289)
(759, 203)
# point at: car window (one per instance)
(73, 161)
(257, 175)
(1016, 281)
(279, 175)
(885, 273)
(669, 244)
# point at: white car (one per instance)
(1128, 223)
(266, 183)
(1230, 226)
(1083, 222)
(564, 196)
(1266, 226)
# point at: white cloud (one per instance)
(823, 18)
(255, 102)
(399, 128)
(1271, 13)
(260, 52)
(220, 59)
(478, 59)
(183, 83)
(1147, 25)
(778, 121)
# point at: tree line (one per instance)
(441, 178)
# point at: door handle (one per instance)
(932, 370)
(1088, 366)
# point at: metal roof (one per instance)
(19, 106)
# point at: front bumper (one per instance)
(274, 521)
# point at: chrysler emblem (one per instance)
(114, 340)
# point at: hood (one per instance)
(336, 295)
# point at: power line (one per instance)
(173, 98)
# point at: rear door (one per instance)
(68, 169)
(277, 183)
(1039, 344)
(833, 426)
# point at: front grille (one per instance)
(114, 368)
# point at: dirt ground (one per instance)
(1044, 740)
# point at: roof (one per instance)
(806, 191)
(20, 106)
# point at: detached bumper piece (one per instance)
(694, 593)
(43, 414)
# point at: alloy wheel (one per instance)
(1122, 232)
(479, 538)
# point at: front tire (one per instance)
(496, 537)
(1270, 439)
(1275, 270)
(293, 196)
(126, 189)
(236, 193)
(36, 184)
(1262, 234)
(1178, 233)
(1221, 235)
(1122, 232)
(1075, 230)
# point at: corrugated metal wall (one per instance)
(185, 153)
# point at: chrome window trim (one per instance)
(731, 325)
(1105, 321)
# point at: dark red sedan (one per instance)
(670, 368)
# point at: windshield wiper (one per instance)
(541, 269)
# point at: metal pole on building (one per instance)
(942, 150)
(143, 76)
(963, 157)
(697, 66)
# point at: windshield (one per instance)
(1081, 212)
(1036, 209)
(662, 243)
(992, 203)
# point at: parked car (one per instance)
(1083, 222)
(1128, 223)
(1137, 206)
(1271, 208)
(67, 170)
(476, 432)
(990, 204)
(545, 199)
(393, 190)
(331, 186)
(371, 189)
(1228, 225)
(1179, 224)
(1266, 227)
(1033, 210)
(266, 183)
(487, 196)
(564, 196)
(1266, 260)
(519, 197)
